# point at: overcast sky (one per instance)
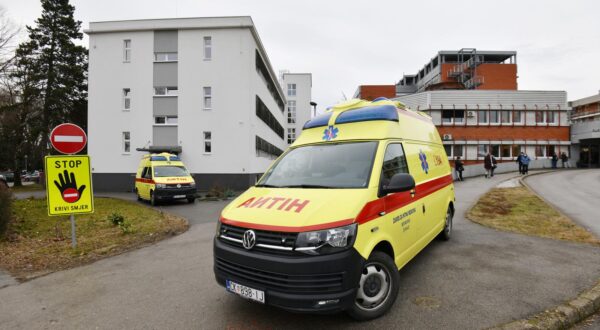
(346, 43)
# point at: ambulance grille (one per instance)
(270, 242)
(282, 282)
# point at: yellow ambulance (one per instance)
(366, 186)
(163, 177)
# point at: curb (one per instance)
(562, 316)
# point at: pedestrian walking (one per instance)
(459, 168)
(554, 160)
(520, 163)
(564, 160)
(489, 163)
(525, 161)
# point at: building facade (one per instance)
(505, 123)
(298, 92)
(585, 131)
(371, 92)
(202, 87)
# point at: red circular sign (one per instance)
(68, 138)
(70, 195)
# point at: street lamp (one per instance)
(314, 105)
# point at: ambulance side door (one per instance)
(399, 207)
(146, 182)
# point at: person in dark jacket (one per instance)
(564, 160)
(554, 160)
(520, 163)
(459, 168)
(489, 163)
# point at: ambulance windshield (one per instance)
(164, 171)
(341, 165)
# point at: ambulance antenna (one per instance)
(344, 95)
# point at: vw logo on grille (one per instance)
(178, 185)
(249, 239)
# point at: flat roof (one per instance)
(187, 23)
(585, 100)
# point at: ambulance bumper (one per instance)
(314, 284)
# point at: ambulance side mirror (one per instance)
(398, 183)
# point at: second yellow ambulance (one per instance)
(366, 186)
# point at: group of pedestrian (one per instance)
(523, 161)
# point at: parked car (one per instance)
(8, 176)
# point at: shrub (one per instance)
(125, 227)
(116, 219)
(229, 193)
(216, 191)
(5, 208)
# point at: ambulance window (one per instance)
(394, 162)
(147, 173)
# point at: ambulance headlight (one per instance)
(193, 184)
(161, 185)
(327, 240)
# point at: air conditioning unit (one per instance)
(470, 114)
(447, 137)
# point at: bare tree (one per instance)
(8, 32)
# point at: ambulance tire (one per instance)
(137, 193)
(447, 232)
(191, 200)
(384, 275)
(153, 200)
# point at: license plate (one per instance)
(179, 196)
(246, 292)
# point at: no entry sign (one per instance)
(68, 138)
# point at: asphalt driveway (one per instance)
(576, 193)
(482, 277)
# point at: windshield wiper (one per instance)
(267, 185)
(308, 186)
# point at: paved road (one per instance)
(480, 278)
(576, 193)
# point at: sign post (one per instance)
(68, 177)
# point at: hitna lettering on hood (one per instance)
(285, 204)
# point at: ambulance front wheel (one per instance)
(446, 233)
(137, 193)
(378, 288)
(153, 200)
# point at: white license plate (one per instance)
(179, 196)
(245, 292)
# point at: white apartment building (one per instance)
(298, 87)
(202, 87)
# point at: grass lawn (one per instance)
(37, 244)
(28, 187)
(519, 210)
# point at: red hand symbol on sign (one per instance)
(68, 187)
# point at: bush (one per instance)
(5, 208)
(116, 219)
(216, 191)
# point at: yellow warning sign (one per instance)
(69, 185)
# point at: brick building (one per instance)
(371, 92)
(473, 99)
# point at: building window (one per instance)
(454, 150)
(482, 117)
(550, 150)
(165, 57)
(207, 142)
(207, 98)
(505, 117)
(265, 149)
(165, 120)
(208, 48)
(539, 151)
(126, 99)
(127, 50)
(550, 117)
(453, 116)
(165, 91)
(291, 135)
(505, 151)
(291, 90)
(539, 117)
(126, 142)
(495, 150)
(517, 117)
(516, 150)
(482, 150)
(494, 117)
(291, 112)
(267, 117)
